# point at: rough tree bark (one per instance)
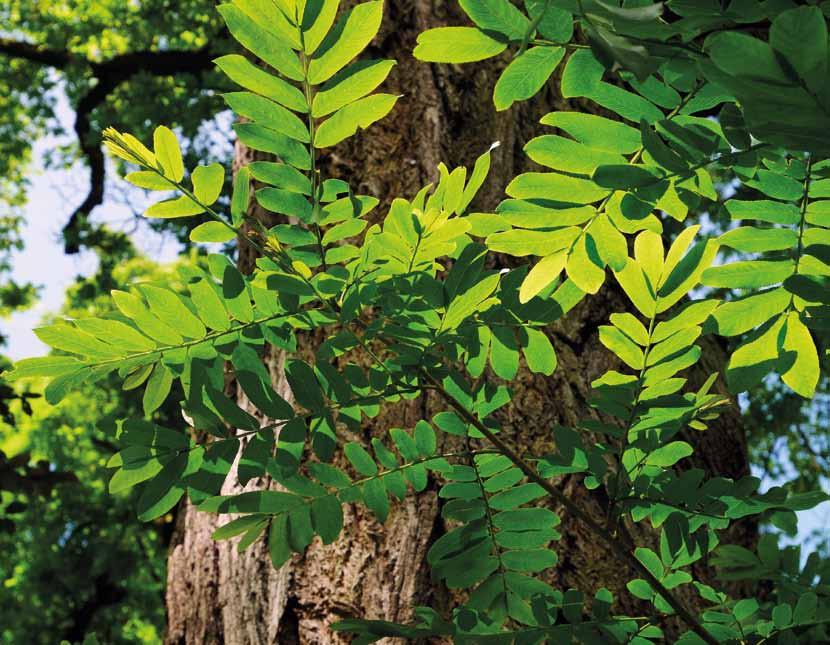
(216, 595)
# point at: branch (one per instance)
(614, 544)
(34, 53)
(107, 75)
(157, 63)
(110, 74)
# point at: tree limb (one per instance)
(107, 75)
(34, 53)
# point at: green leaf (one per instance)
(668, 455)
(278, 547)
(327, 517)
(498, 16)
(360, 459)
(477, 177)
(813, 289)
(631, 327)
(756, 358)
(354, 31)
(256, 501)
(238, 526)
(749, 274)
(425, 440)
(280, 175)
(684, 272)
(622, 346)
(525, 75)
(640, 589)
(611, 245)
(349, 228)
(164, 491)
(805, 608)
(800, 35)
(650, 560)
(504, 353)
(255, 381)
(48, 366)
(597, 132)
(354, 82)
(133, 308)
(624, 177)
(533, 560)
(376, 499)
(585, 266)
(277, 18)
(734, 126)
(673, 345)
(318, 17)
(178, 207)
(648, 251)
(542, 275)
(284, 202)
(149, 180)
(169, 308)
(739, 316)
(582, 77)
(776, 185)
(660, 152)
(168, 153)
(802, 377)
(741, 55)
(267, 113)
(456, 45)
(560, 153)
(241, 196)
(693, 314)
(208, 182)
(763, 210)
(116, 333)
(542, 243)
(539, 352)
(260, 138)
(138, 464)
(553, 23)
(515, 497)
(261, 42)
(633, 281)
(212, 232)
(158, 387)
(346, 121)
(242, 72)
(749, 239)
(782, 615)
(551, 185)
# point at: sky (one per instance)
(53, 196)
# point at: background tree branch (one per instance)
(106, 76)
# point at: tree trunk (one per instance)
(216, 595)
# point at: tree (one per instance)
(443, 341)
